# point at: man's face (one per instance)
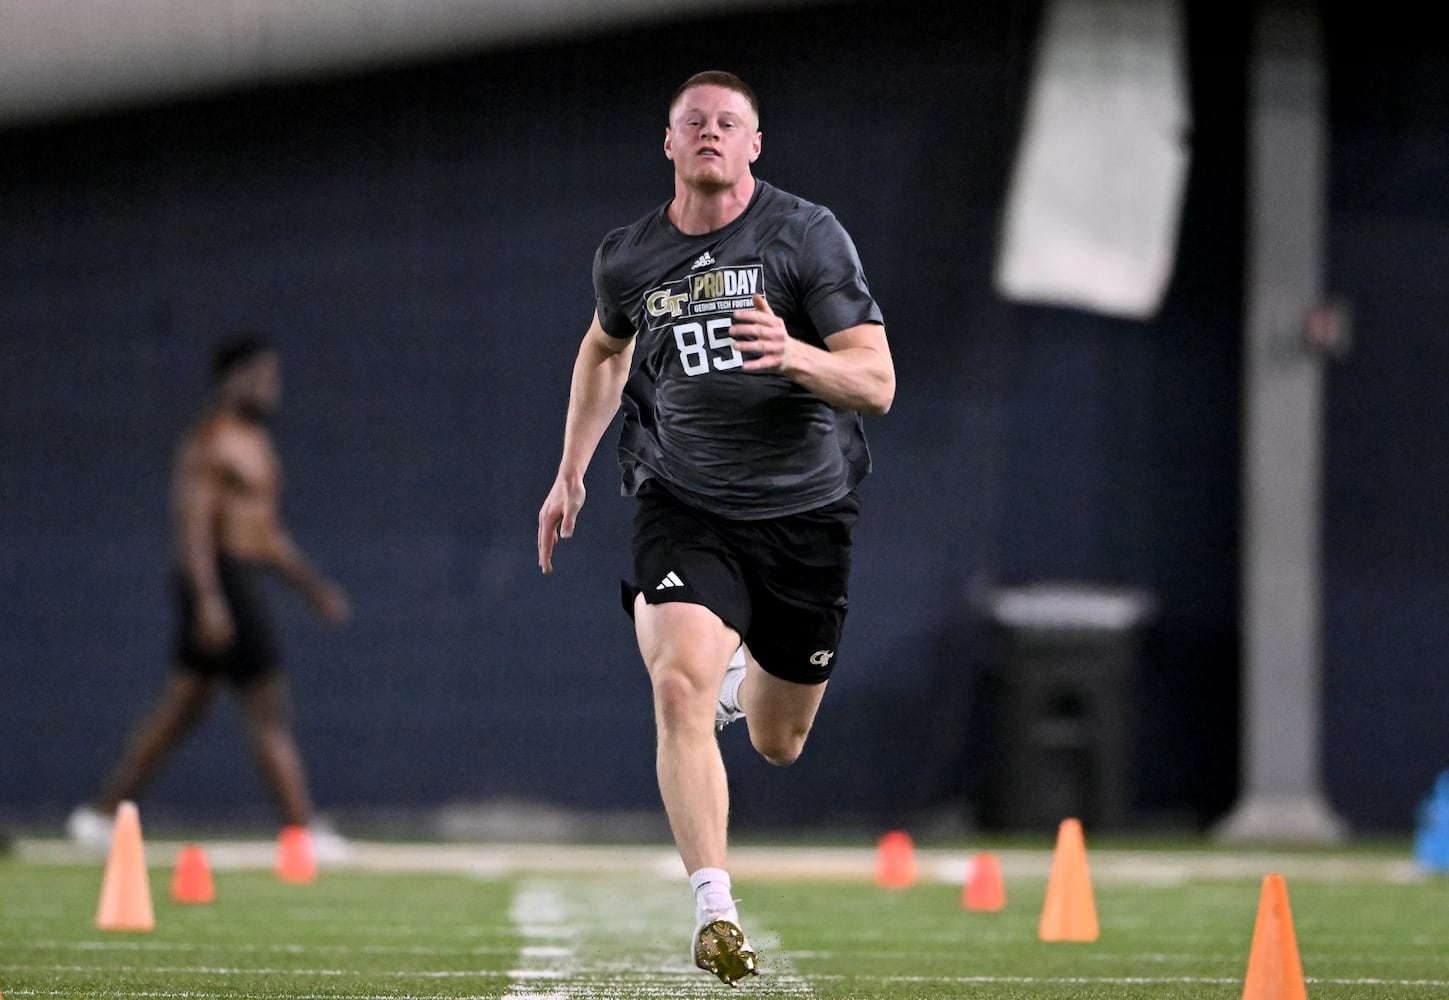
(259, 384)
(712, 137)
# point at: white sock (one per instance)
(712, 890)
(729, 691)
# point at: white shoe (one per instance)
(91, 829)
(328, 846)
(727, 709)
(719, 946)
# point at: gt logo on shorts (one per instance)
(822, 657)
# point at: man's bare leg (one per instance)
(180, 707)
(687, 649)
(267, 704)
(779, 713)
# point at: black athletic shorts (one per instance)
(252, 653)
(781, 583)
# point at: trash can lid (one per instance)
(1069, 606)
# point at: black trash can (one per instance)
(1062, 666)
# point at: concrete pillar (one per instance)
(1281, 796)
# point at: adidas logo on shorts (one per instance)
(671, 579)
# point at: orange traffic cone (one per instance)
(895, 864)
(296, 860)
(984, 889)
(126, 891)
(192, 881)
(1274, 971)
(1069, 913)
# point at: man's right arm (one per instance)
(600, 371)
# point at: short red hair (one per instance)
(718, 78)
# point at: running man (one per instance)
(227, 534)
(759, 347)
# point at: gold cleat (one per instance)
(720, 947)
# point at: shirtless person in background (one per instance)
(227, 535)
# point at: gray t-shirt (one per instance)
(744, 445)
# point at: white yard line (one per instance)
(539, 914)
(621, 939)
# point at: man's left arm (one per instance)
(854, 372)
(326, 598)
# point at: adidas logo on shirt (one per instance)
(670, 580)
(703, 260)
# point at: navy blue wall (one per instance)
(1386, 544)
(419, 244)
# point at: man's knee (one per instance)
(268, 702)
(678, 698)
(187, 700)
(780, 749)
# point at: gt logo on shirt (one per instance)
(822, 657)
(661, 302)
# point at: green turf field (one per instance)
(565, 925)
